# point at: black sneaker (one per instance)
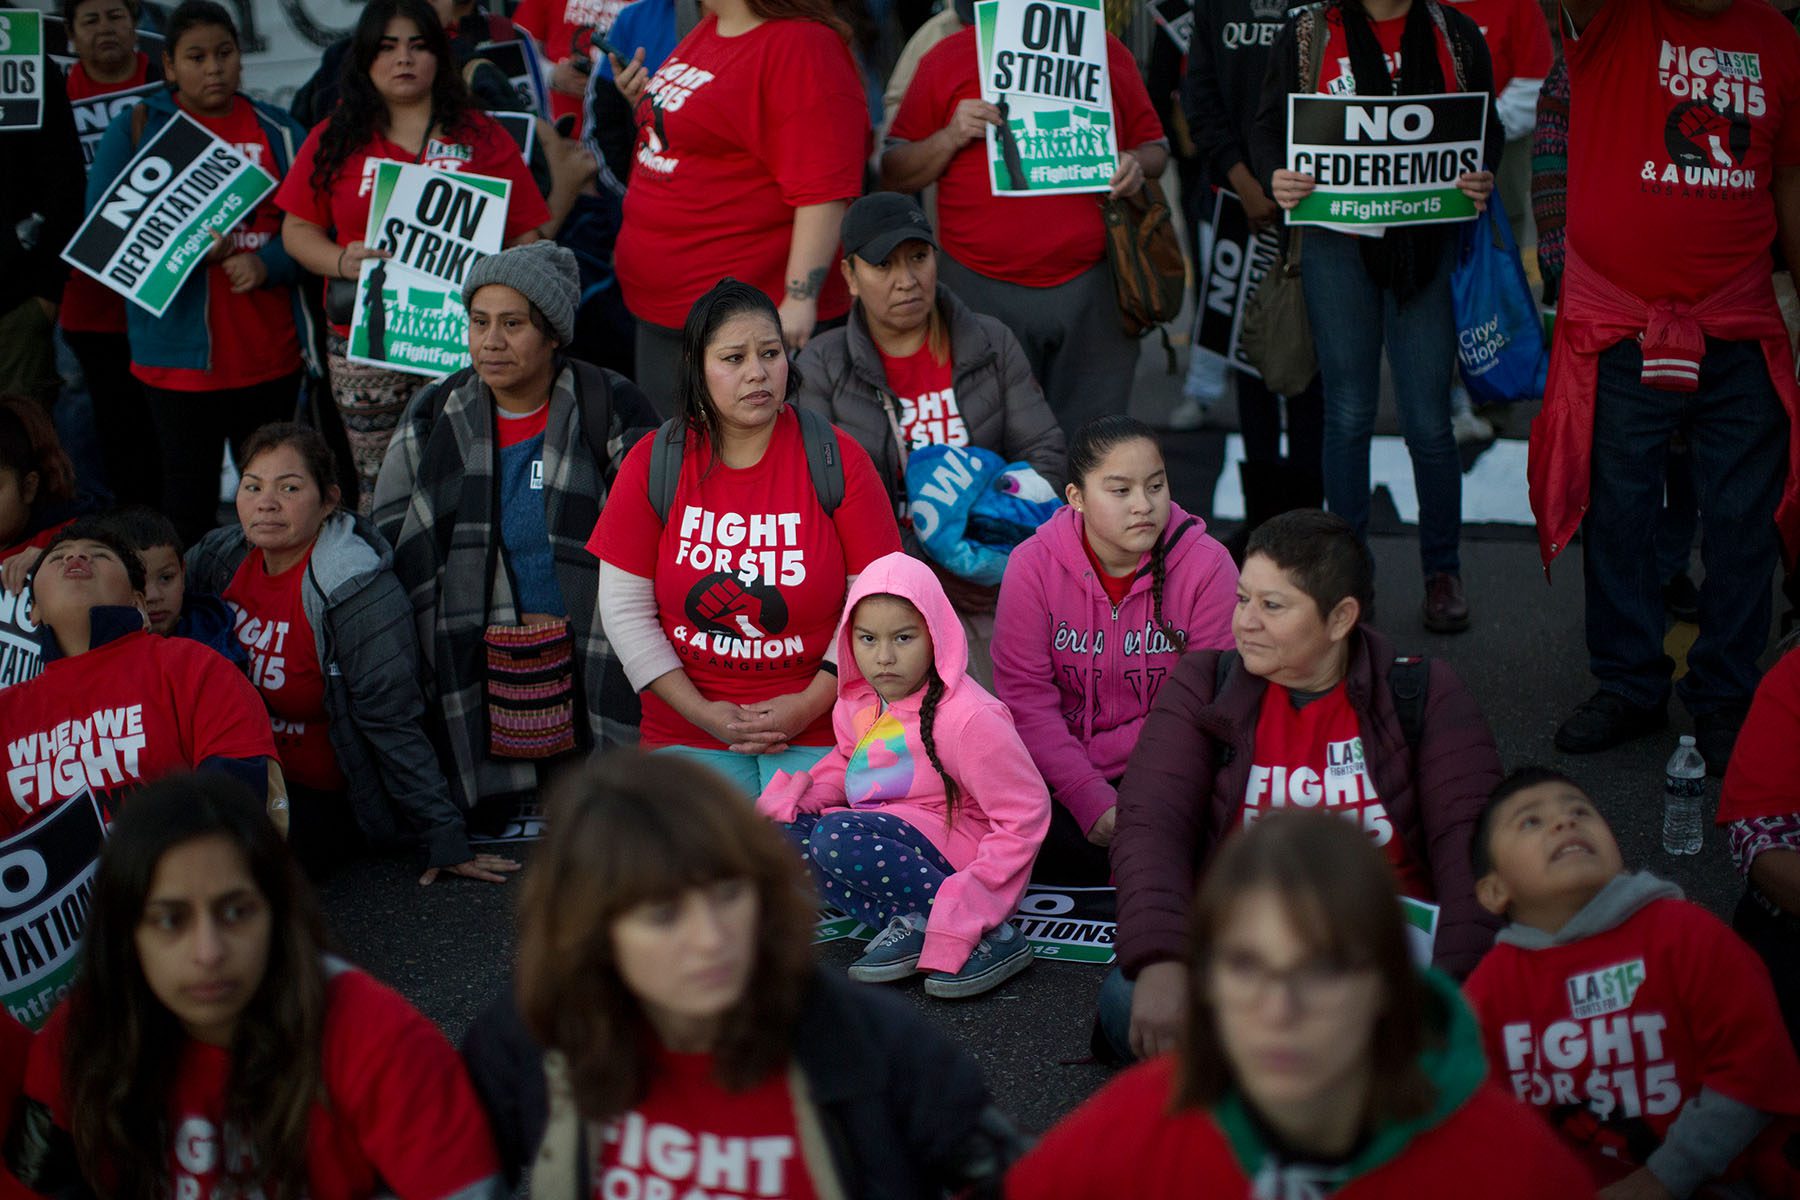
(1716, 735)
(1681, 599)
(1607, 719)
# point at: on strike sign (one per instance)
(46, 889)
(435, 225)
(153, 227)
(21, 69)
(1385, 160)
(1043, 64)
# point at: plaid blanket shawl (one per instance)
(435, 501)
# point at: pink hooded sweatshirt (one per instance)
(1055, 624)
(879, 762)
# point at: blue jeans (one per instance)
(1114, 1007)
(1737, 446)
(1352, 319)
(750, 773)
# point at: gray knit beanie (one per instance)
(543, 272)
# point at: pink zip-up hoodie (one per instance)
(1054, 624)
(1002, 807)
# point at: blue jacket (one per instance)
(181, 337)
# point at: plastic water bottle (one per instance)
(1683, 788)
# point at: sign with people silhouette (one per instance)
(434, 225)
(1043, 65)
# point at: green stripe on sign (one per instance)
(22, 34)
(1419, 916)
(1072, 951)
(1407, 207)
(240, 196)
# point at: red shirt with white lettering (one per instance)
(1335, 76)
(1517, 36)
(692, 1137)
(562, 28)
(1033, 241)
(1680, 124)
(1612, 1034)
(480, 147)
(727, 148)
(399, 1115)
(89, 306)
(750, 573)
(252, 334)
(127, 712)
(924, 388)
(1312, 757)
(284, 666)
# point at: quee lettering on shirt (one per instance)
(656, 1161)
(95, 753)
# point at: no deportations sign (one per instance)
(151, 230)
(1383, 160)
(21, 70)
(46, 889)
(436, 224)
(1043, 63)
(1239, 262)
(94, 114)
(1070, 924)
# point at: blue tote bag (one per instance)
(1499, 333)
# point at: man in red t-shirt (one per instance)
(1036, 262)
(1684, 165)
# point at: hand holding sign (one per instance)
(1291, 187)
(970, 121)
(1477, 186)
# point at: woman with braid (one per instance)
(1103, 600)
(923, 819)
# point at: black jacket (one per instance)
(42, 194)
(905, 1110)
(1228, 58)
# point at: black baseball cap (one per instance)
(879, 222)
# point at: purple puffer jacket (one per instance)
(1180, 795)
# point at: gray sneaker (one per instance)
(997, 958)
(893, 954)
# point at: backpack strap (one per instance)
(666, 453)
(1227, 663)
(823, 458)
(1409, 679)
(1443, 30)
(594, 399)
(140, 116)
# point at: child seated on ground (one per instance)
(924, 818)
(173, 610)
(1645, 1030)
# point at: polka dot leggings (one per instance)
(873, 866)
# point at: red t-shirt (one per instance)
(1033, 241)
(559, 25)
(127, 712)
(749, 572)
(1335, 77)
(692, 1137)
(480, 148)
(252, 335)
(1680, 123)
(284, 666)
(1611, 1034)
(89, 306)
(1518, 38)
(1115, 586)
(927, 395)
(1760, 781)
(1313, 756)
(524, 427)
(399, 1115)
(729, 144)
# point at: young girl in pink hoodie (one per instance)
(924, 818)
(1094, 611)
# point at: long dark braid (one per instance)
(934, 692)
(1159, 555)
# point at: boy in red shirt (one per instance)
(1642, 1027)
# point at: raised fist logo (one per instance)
(1699, 135)
(720, 604)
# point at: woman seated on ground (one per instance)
(210, 1048)
(116, 707)
(1312, 709)
(1316, 1056)
(665, 959)
(1096, 609)
(491, 486)
(331, 647)
(914, 366)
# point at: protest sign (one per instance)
(46, 889)
(21, 69)
(1176, 19)
(1043, 64)
(93, 115)
(522, 64)
(1236, 267)
(436, 225)
(20, 658)
(1068, 924)
(521, 128)
(1421, 929)
(1385, 160)
(151, 231)
(834, 925)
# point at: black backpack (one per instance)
(1409, 680)
(823, 462)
